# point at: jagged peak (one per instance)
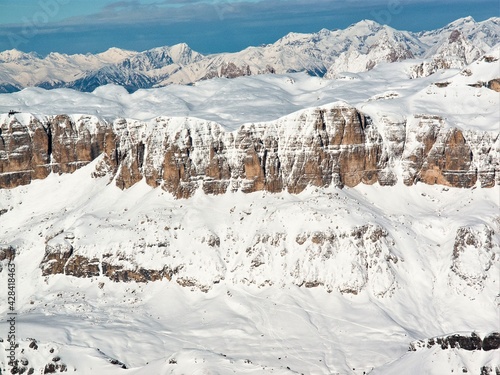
(116, 50)
(495, 20)
(324, 32)
(180, 46)
(462, 21)
(180, 50)
(15, 54)
(115, 54)
(293, 37)
(366, 23)
(56, 56)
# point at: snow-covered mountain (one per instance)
(454, 46)
(482, 34)
(358, 48)
(326, 281)
(141, 70)
(312, 53)
(387, 49)
(453, 52)
(266, 224)
(21, 70)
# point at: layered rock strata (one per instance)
(347, 261)
(323, 146)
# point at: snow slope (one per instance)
(245, 323)
(382, 92)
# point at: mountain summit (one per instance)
(357, 48)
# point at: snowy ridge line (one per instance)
(358, 48)
(334, 144)
(468, 100)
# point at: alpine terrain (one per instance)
(326, 204)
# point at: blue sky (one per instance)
(208, 26)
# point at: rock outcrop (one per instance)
(453, 52)
(478, 244)
(323, 146)
(470, 341)
(345, 260)
(61, 258)
(30, 151)
(494, 84)
(7, 254)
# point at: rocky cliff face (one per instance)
(32, 150)
(454, 51)
(320, 147)
(347, 261)
(470, 341)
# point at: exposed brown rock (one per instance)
(491, 341)
(485, 152)
(254, 172)
(449, 162)
(24, 153)
(320, 147)
(119, 274)
(7, 252)
(32, 151)
(81, 266)
(61, 258)
(57, 254)
(494, 84)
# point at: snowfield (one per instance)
(244, 324)
(386, 90)
(328, 281)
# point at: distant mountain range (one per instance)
(268, 224)
(358, 48)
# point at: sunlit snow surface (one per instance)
(309, 330)
(384, 91)
(162, 328)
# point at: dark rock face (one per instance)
(7, 252)
(463, 342)
(119, 274)
(61, 258)
(77, 265)
(491, 341)
(460, 341)
(22, 157)
(319, 147)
